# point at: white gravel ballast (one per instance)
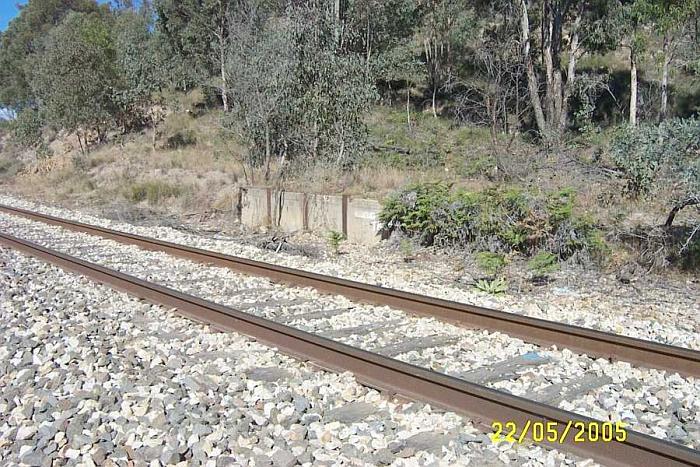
(670, 315)
(663, 405)
(90, 376)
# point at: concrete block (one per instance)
(363, 226)
(254, 207)
(325, 213)
(288, 209)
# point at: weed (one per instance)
(335, 238)
(490, 263)
(494, 287)
(153, 192)
(543, 263)
(406, 248)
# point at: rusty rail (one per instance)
(477, 401)
(589, 341)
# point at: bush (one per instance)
(334, 240)
(153, 192)
(490, 263)
(178, 131)
(651, 155)
(494, 220)
(26, 128)
(543, 263)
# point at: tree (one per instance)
(298, 95)
(141, 66)
(74, 76)
(490, 84)
(197, 32)
(566, 29)
(446, 26)
(672, 19)
(23, 37)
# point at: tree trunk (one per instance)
(570, 75)
(434, 92)
(689, 201)
(664, 79)
(80, 143)
(548, 60)
(530, 69)
(408, 105)
(268, 153)
(633, 88)
(224, 79)
(338, 18)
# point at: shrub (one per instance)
(650, 155)
(334, 240)
(494, 220)
(543, 263)
(153, 192)
(26, 128)
(490, 263)
(178, 131)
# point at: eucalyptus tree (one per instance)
(298, 95)
(566, 30)
(672, 21)
(23, 38)
(197, 33)
(446, 25)
(74, 75)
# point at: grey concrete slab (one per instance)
(504, 370)
(417, 344)
(570, 390)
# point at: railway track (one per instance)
(380, 371)
(592, 342)
(373, 367)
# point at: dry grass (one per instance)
(205, 176)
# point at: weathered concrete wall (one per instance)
(325, 213)
(254, 211)
(363, 226)
(291, 212)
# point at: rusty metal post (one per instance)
(268, 193)
(345, 214)
(305, 211)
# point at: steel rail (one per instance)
(535, 330)
(483, 403)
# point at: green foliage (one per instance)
(178, 131)
(297, 95)
(490, 263)
(142, 67)
(543, 263)
(406, 248)
(26, 128)
(494, 287)
(190, 32)
(23, 36)
(334, 240)
(494, 220)
(652, 155)
(74, 76)
(153, 192)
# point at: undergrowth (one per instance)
(153, 192)
(495, 220)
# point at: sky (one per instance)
(8, 10)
